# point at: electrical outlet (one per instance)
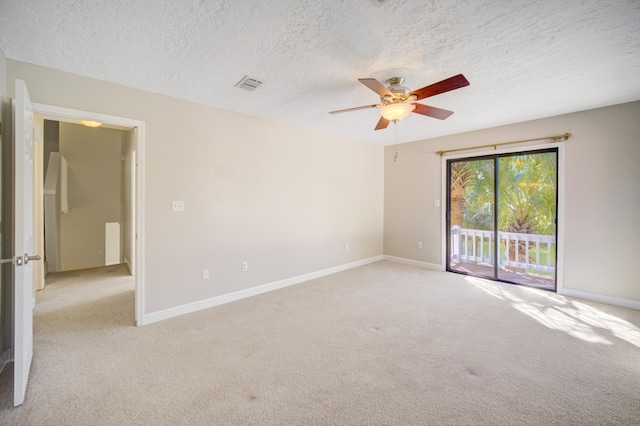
(177, 206)
(420, 244)
(436, 203)
(346, 247)
(245, 266)
(205, 274)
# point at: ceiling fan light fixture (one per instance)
(397, 111)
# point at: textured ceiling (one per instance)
(525, 59)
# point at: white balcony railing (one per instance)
(476, 245)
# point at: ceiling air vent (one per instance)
(249, 83)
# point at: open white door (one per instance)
(24, 277)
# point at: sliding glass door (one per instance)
(501, 217)
(471, 214)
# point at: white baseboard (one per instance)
(129, 268)
(254, 291)
(5, 359)
(414, 262)
(609, 300)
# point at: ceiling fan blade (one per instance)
(439, 113)
(353, 109)
(382, 123)
(451, 83)
(376, 86)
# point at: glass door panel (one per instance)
(471, 242)
(527, 198)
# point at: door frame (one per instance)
(560, 206)
(57, 113)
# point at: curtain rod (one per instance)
(557, 138)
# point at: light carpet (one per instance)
(382, 344)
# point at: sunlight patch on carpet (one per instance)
(575, 318)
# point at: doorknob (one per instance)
(28, 258)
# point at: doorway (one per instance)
(87, 198)
(133, 188)
(501, 220)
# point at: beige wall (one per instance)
(602, 195)
(95, 185)
(280, 197)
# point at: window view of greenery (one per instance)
(526, 213)
(472, 194)
(527, 193)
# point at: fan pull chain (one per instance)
(395, 124)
